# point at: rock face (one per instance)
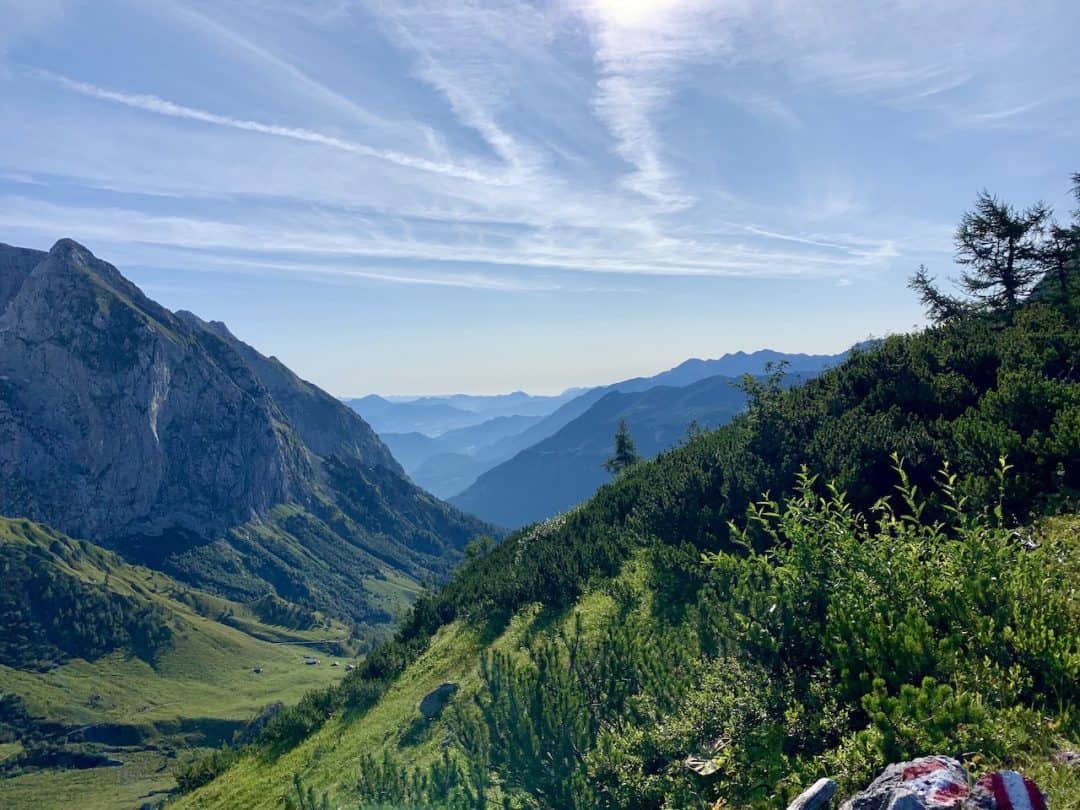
(326, 425)
(929, 782)
(818, 795)
(118, 419)
(941, 782)
(159, 435)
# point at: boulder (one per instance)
(1006, 790)
(435, 700)
(818, 795)
(932, 782)
(904, 799)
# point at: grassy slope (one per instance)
(328, 760)
(202, 687)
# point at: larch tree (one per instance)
(1002, 249)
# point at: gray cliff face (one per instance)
(117, 418)
(325, 424)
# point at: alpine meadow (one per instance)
(539, 405)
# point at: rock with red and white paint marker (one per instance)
(1006, 790)
(927, 783)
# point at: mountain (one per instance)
(447, 464)
(436, 415)
(739, 363)
(559, 462)
(799, 593)
(450, 463)
(170, 441)
(568, 466)
(516, 403)
(429, 418)
(324, 424)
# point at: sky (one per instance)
(432, 197)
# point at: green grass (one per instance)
(145, 776)
(328, 759)
(197, 691)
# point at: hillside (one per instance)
(567, 467)
(905, 607)
(112, 675)
(170, 441)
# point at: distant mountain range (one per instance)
(567, 467)
(450, 463)
(434, 415)
(168, 440)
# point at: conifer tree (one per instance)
(1000, 245)
(1002, 249)
(626, 453)
(1060, 255)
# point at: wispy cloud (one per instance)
(767, 107)
(523, 138)
(160, 106)
(325, 240)
(282, 68)
(640, 49)
(469, 54)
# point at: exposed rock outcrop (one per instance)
(117, 418)
(435, 701)
(817, 796)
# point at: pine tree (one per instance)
(1002, 248)
(626, 454)
(1000, 245)
(1060, 256)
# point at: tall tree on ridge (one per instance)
(1002, 249)
(626, 453)
(1000, 245)
(1060, 254)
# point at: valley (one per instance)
(135, 718)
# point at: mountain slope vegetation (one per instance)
(112, 675)
(855, 570)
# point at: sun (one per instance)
(632, 13)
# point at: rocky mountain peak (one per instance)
(118, 417)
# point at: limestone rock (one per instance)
(435, 700)
(935, 782)
(167, 439)
(818, 795)
(1006, 790)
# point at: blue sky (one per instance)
(420, 197)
